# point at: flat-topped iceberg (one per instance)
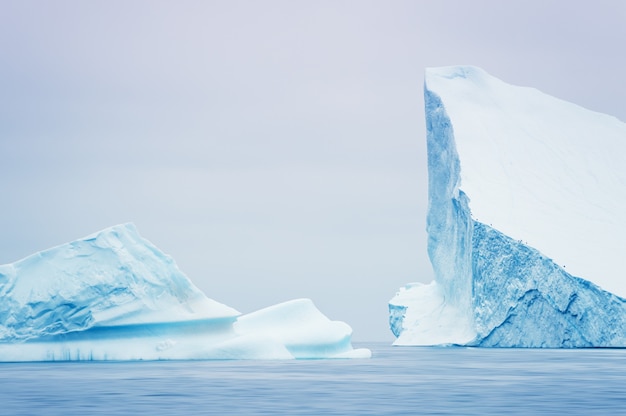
(115, 296)
(525, 221)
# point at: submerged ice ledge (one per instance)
(517, 179)
(115, 296)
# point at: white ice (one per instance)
(430, 320)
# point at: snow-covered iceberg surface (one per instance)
(115, 296)
(526, 196)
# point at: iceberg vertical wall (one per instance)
(516, 179)
(449, 224)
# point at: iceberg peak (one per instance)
(457, 71)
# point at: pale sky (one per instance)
(275, 149)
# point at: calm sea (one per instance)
(396, 380)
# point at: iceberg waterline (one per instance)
(115, 296)
(516, 179)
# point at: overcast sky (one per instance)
(275, 149)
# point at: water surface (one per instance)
(396, 380)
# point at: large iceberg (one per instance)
(525, 221)
(115, 296)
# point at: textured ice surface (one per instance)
(525, 200)
(115, 296)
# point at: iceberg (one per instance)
(115, 296)
(525, 220)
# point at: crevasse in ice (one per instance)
(115, 296)
(525, 220)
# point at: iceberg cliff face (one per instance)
(115, 296)
(516, 179)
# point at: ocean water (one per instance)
(396, 380)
